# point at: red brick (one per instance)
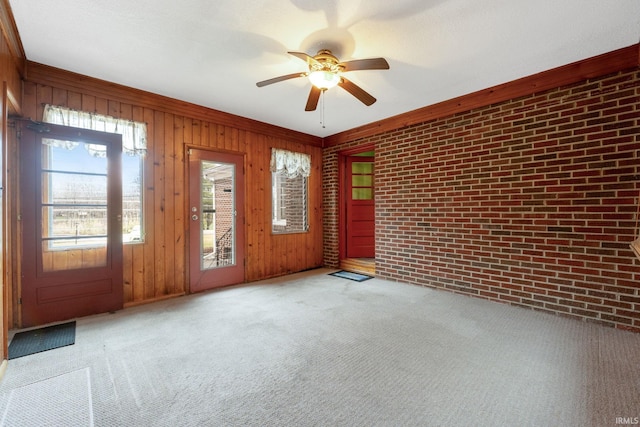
(531, 202)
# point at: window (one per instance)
(134, 146)
(289, 173)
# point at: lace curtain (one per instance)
(134, 134)
(290, 163)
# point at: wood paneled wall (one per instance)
(158, 268)
(12, 58)
(12, 62)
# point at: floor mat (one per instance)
(42, 339)
(351, 276)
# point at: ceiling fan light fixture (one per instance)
(323, 79)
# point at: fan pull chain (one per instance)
(322, 113)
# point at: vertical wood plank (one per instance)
(74, 100)
(59, 97)
(149, 206)
(179, 190)
(235, 135)
(227, 139)
(102, 106)
(114, 108)
(44, 96)
(137, 249)
(262, 253)
(126, 111)
(169, 205)
(205, 133)
(196, 133)
(88, 103)
(127, 273)
(213, 136)
(188, 132)
(159, 204)
(250, 242)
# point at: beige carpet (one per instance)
(313, 349)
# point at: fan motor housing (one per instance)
(326, 62)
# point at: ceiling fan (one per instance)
(325, 72)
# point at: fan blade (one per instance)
(356, 91)
(279, 79)
(306, 58)
(312, 102)
(365, 64)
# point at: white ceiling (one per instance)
(212, 52)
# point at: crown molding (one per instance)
(56, 77)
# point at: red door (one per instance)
(360, 207)
(216, 224)
(71, 195)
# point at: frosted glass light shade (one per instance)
(324, 79)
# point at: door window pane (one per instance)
(362, 180)
(362, 167)
(74, 196)
(75, 226)
(362, 193)
(73, 206)
(217, 215)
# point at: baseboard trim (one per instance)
(149, 301)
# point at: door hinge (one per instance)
(20, 301)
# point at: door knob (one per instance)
(194, 217)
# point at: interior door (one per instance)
(360, 207)
(71, 194)
(216, 212)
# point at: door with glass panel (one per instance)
(360, 207)
(71, 195)
(216, 219)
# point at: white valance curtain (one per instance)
(134, 134)
(290, 163)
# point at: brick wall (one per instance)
(531, 201)
(294, 200)
(223, 189)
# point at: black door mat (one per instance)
(351, 276)
(42, 339)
